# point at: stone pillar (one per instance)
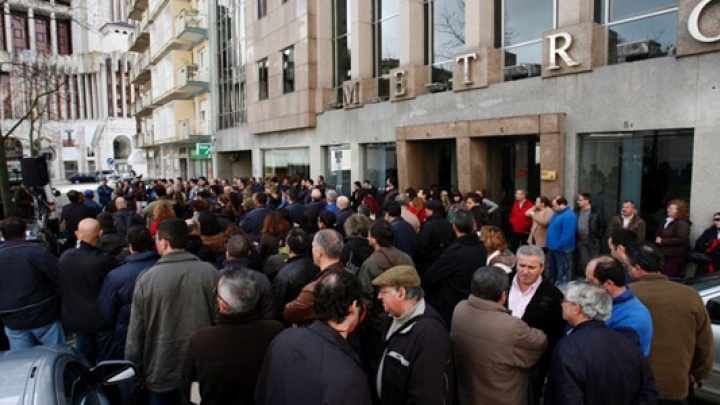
(53, 33)
(113, 80)
(361, 64)
(81, 96)
(8, 28)
(552, 154)
(481, 64)
(471, 163)
(31, 28)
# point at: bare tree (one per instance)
(31, 92)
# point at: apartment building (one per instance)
(172, 73)
(611, 97)
(79, 47)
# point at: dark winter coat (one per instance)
(355, 251)
(405, 236)
(596, 225)
(116, 296)
(435, 236)
(225, 359)
(265, 305)
(313, 365)
(28, 292)
(598, 365)
(124, 220)
(447, 282)
(288, 283)
(252, 222)
(81, 273)
(417, 362)
(675, 238)
(709, 241)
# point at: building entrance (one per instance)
(437, 164)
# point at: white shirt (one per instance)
(518, 300)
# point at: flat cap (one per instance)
(398, 276)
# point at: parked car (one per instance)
(709, 289)
(120, 177)
(101, 174)
(47, 375)
(82, 178)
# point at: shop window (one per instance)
(338, 168)
(291, 162)
(648, 167)
(380, 162)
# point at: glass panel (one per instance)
(623, 8)
(524, 54)
(287, 162)
(338, 164)
(288, 70)
(342, 60)
(526, 20)
(388, 8)
(389, 45)
(649, 168)
(658, 32)
(380, 162)
(343, 17)
(443, 73)
(448, 18)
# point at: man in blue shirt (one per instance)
(560, 241)
(627, 311)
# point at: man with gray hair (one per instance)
(493, 362)
(406, 214)
(225, 359)
(237, 250)
(327, 247)
(344, 212)
(125, 217)
(331, 196)
(539, 304)
(595, 364)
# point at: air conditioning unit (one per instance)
(638, 50)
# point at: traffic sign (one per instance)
(110, 161)
(203, 149)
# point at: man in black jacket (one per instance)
(298, 271)
(81, 273)
(252, 222)
(237, 251)
(435, 236)
(415, 366)
(448, 280)
(329, 370)
(591, 228)
(539, 304)
(29, 302)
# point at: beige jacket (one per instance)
(493, 352)
(541, 220)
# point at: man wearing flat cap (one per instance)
(415, 366)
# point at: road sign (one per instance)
(110, 161)
(203, 149)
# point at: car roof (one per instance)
(708, 286)
(18, 367)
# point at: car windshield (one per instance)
(14, 377)
(705, 282)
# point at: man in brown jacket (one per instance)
(327, 247)
(682, 349)
(493, 349)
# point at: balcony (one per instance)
(69, 143)
(190, 26)
(145, 139)
(189, 82)
(139, 40)
(193, 128)
(136, 8)
(140, 73)
(144, 105)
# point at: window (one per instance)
(639, 29)
(519, 26)
(444, 37)
(288, 69)
(380, 162)
(338, 166)
(342, 54)
(294, 162)
(648, 167)
(386, 42)
(262, 8)
(263, 79)
(230, 64)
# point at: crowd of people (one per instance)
(285, 292)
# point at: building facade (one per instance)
(77, 52)
(173, 75)
(615, 98)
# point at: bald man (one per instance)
(81, 272)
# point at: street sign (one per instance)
(110, 161)
(203, 149)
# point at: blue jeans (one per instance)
(557, 266)
(51, 334)
(96, 347)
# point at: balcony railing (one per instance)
(188, 128)
(140, 73)
(190, 26)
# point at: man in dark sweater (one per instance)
(225, 359)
